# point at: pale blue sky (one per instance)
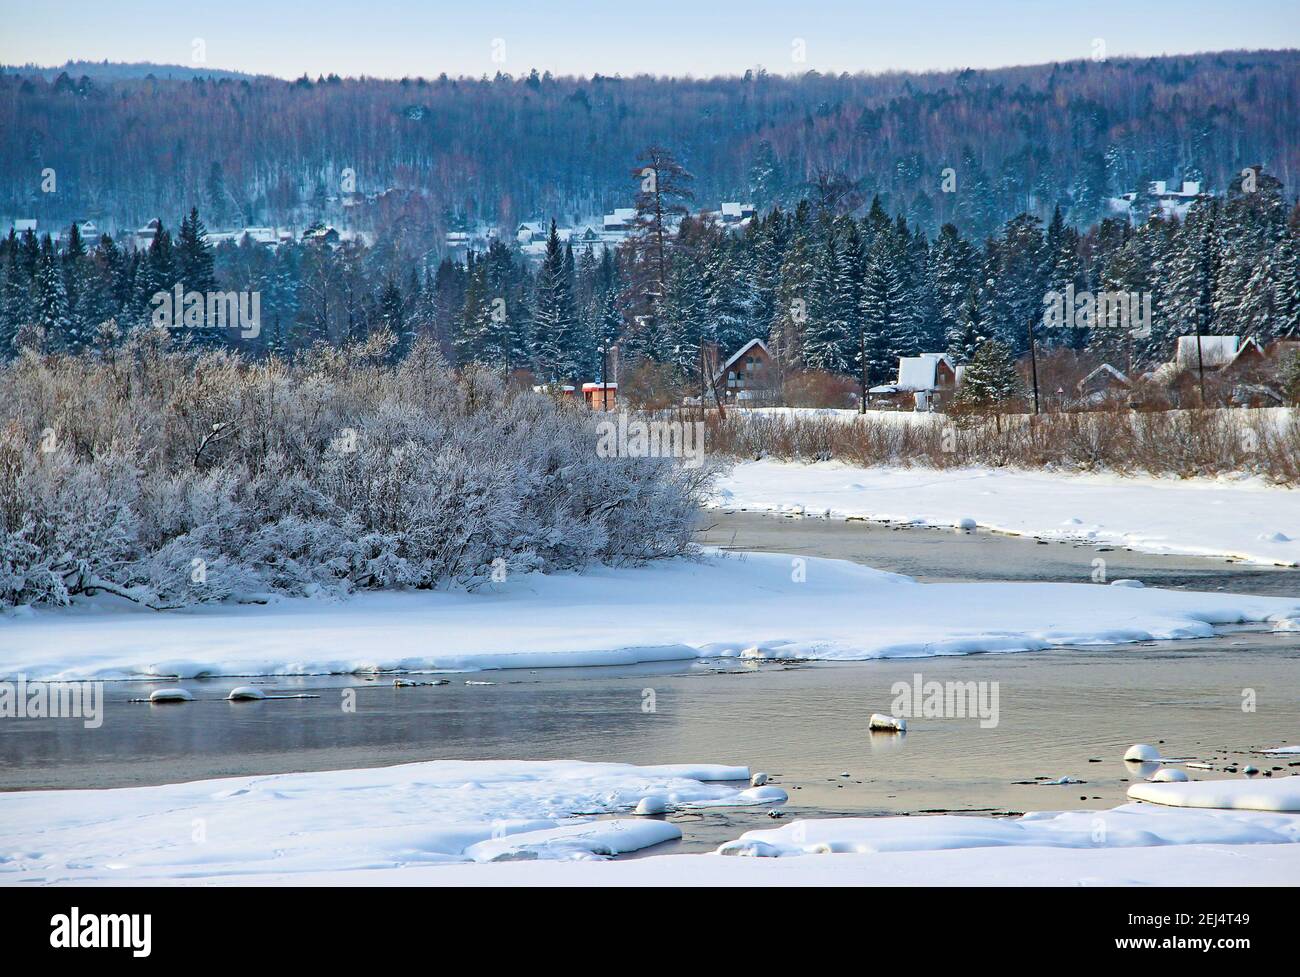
(393, 38)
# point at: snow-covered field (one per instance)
(1246, 520)
(438, 822)
(754, 605)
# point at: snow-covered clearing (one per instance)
(751, 605)
(425, 823)
(1246, 520)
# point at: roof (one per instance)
(619, 217)
(919, 372)
(597, 386)
(735, 209)
(1215, 351)
(1108, 370)
(741, 352)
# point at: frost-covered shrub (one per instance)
(172, 477)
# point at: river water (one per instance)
(1061, 713)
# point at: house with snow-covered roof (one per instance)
(747, 375)
(1104, 384)
(1236, 371)
(926, 382)
(733, 212)
(622, 219)
(1216, 352)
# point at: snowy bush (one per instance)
(173, 476)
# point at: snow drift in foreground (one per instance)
(1275, 794)
(1127, 826)
(485, 822)
(1201, 517)
(347, 820)
(750, 605)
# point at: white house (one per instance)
(620, 220)
(1215, 352)
(930, 378)
(733, 213)
(145, 235)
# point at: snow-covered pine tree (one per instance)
(990, 379)
(827, 343)
(793, 292)
(554, 340)
(886, 320)
(51, 311)
(970, 331)
(952, 263)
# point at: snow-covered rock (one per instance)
(245, 692)
(885, 723)
(1166, 775)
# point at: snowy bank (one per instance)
(499, 822)
(346, 820)
(1246, 520)
(746, 605)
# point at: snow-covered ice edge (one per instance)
(1242, 519)
(739, 605)
(557, 822)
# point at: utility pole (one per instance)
(1033, 362)
(703, 386)
(1200, 359)
(862, 358)
(604, 376)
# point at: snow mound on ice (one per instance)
(1278, 794)
(244, 693)
(1129, 826)
(171, 695)
(584, 840)
(1141, 752)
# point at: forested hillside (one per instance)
(502, 150)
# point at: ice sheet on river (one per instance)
(751, 605)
